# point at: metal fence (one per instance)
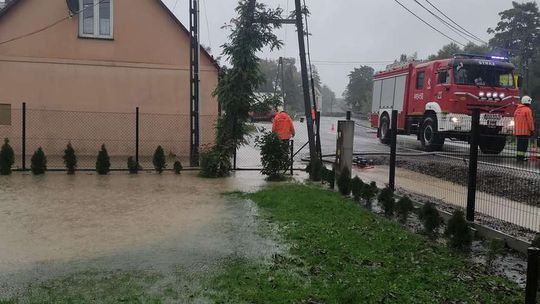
(248, 156)
(136, 134)
(475, 170)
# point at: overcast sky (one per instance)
(355, 30)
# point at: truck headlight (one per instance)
(489, 95)
(502, 95)
(482, 94)
(512, 123)
(495, 95)
(454, 120)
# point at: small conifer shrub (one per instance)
(357, 186)
(344, 182)
(70, 159)
(7, 158)
(159, 160)
(459, 232)
(133, 166)
(368, 193)
(403, 207)
(178, 167)
(536, 241)
(329, 177)
(387, 201)
(431, 219)
(103, 162)
(38, 162)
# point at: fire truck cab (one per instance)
(434, 100)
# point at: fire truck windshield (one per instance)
(477, 75)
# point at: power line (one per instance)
(450, 26)
(451, 20)
(428, 24)
(48, 26)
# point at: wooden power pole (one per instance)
(313, 153)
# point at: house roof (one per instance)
(11, 3)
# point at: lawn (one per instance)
(342, 253)
(335, 252)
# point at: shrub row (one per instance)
(38, 164)
(458, 230)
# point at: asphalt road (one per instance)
(366, 142)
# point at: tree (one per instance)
(359, 91)
(159, 160)
(328, 99)
(133, 166)
(447, 51)
(274, 156)
(38, 162)
(251, 31)
(292, 86)
(518, 33)
(70, 159)
(178, 167)
(476, 49)
(103, 162)
(7, 158)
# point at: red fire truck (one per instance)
(434, 100)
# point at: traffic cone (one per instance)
(533, 156)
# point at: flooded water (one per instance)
(57, 224)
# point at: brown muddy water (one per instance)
(56, 224)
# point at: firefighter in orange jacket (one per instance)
(283, 126)
(524, 126)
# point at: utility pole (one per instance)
(313, 153)
(195, 53)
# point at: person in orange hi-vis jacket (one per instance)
(524, 126)
(283, 126)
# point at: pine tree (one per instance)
(133, 166)
(357, 186)
(178, 167)
(159, 160)
(7, 158)
(103, 162)
(38, 162)
(70, 159)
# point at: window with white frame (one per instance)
(96, 18)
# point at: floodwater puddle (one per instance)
(58, 224)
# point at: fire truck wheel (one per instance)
(492, 144)
(384, 129)
(431, 139)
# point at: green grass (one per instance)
(103, 287)
(340, 253)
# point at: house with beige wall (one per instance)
(82, 76)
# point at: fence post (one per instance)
(533, 268)
(137, 125)
(393, 150)
(234, 158)
(473, 164)
(318, 124)
(292, 156)
(23, 139)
